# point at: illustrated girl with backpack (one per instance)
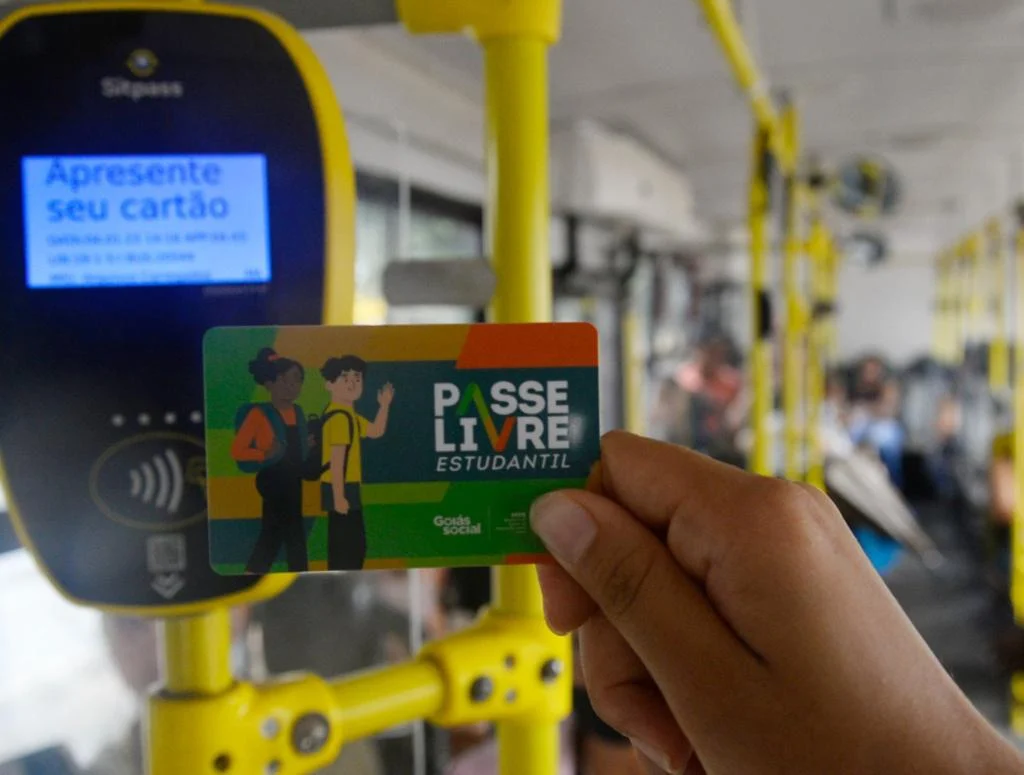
(274, 441)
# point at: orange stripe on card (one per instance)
(313, 345)
(529, 345)
(529, 559)
(235, 497)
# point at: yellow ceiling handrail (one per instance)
(727, 30)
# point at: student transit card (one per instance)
(352, 447)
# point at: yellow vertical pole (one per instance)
(761, 457)
(1017, 577)
(195, 653)
(794, 339)
(1017, 525)
(972, 296)
(633, 376)
(516, 72)
(195, 664)
(517, 157)
(976, 328)
(817, 350)
(515, 37)
(999, 355)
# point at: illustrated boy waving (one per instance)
(341, 481)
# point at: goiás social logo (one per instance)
(513, 426)
(460, 525)
(142, 64)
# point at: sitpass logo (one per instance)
(141, 63)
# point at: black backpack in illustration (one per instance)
(315, 467)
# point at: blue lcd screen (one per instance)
(93, 221)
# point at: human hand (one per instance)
(731, 624)
(386, 395)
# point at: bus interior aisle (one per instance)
(797, 227)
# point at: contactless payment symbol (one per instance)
(142, 63)
(154, 481)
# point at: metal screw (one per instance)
(510, 661)
(273, 767)
(482, 689)
(510, 696)
(551, 670)
(310, 733)
(271, 727)
(222, 763)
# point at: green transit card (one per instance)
(369, 447)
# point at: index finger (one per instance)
(656, 483)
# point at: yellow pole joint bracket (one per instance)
(503, 668)
(484, 20)
(279, 727)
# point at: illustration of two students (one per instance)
(284, 448)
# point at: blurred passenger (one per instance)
(836, 409)
(715, 388)
(670, 416)
(132, 644)
(1002, 504)
(1009, 638)
(874, 419)
(948, 421)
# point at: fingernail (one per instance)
(563, 525)
(656, 757)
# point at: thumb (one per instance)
(631, 575)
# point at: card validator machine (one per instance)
(164, 168)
